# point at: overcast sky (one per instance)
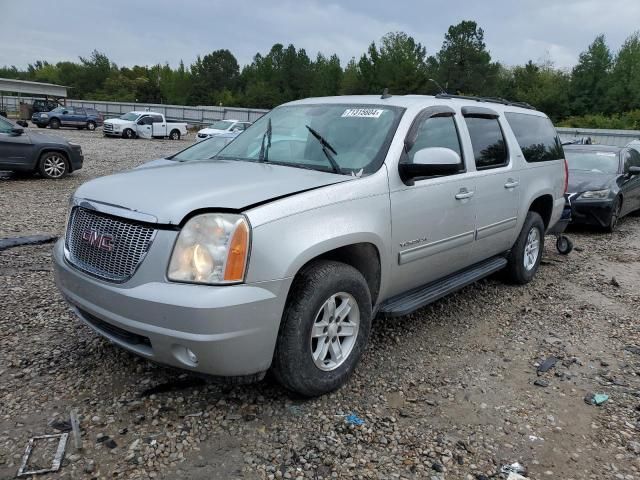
(158, 31)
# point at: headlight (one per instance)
(212, 248)
(44, 115)
(595, 194)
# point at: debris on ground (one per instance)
(615, 282)
(75, 429)
(595, 398)
(6, 243)
(515, 467)
(26, 470)
(632, 349)
(516, 476)
(541, 382)
(547, 365)
(354, 419)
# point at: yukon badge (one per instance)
(101, 241)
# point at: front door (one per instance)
(433, 220)
(15, 150)
(631, 183)
(144, 127)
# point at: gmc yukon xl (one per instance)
(277, 252)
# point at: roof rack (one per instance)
(501, 101)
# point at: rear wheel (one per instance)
(526, 254)
(324, 329)
(128, 133)
(174, 135)
(615, 215)
(54, 123)
(53, 165)
(91, 125)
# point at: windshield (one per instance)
(221, 125)
(58, 110)
(202, 150)
(592, 161)
(130, 117)
(356, 137)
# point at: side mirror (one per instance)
(634, 170)
(17, 131)
(65, 112)
(429, 162)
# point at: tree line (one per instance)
(602, 90)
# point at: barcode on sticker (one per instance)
(363, 112)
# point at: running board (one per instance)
(412, 300)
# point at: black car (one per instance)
(24, 151)
(604, 183)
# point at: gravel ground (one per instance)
(448, 392)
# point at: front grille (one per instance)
(108, 127)
(107, 247)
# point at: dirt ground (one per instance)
(445, 393)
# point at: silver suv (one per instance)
(277, 252)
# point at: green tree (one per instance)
(463, 64)
(590, 78)
(624, 92)
(211, 74)
(542, 86)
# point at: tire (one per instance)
(174, 135)
(294, 364)
(128, 133)
(54, 123)
(615, 215)
(522, 267)
(564, 245)
(91, 125)
(53, 165)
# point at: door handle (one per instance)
(511, 183)
(464, 194)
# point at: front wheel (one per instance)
(91, 125)
(174, 135)
(128, 133)
(53, 165)
(54, 123)
(615, 215)
(526, 254)
(324, 330)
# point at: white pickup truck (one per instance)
(143, 125)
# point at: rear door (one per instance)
(433, 219)
(497, 183)
(144, 126)
(159, 126)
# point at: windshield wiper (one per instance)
(264, 152)
(326, 146)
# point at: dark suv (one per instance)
(24, 151)
(78, 117)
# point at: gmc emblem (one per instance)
(101, 241)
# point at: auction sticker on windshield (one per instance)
(363, 112)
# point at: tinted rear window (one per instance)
(536, 136)
(489, 148)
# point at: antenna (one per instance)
(385, 94)
(442, 90)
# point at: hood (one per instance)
(582, 181)
(211, 131)
(171, 192)
(39, 138)
(158, 162)
(118, 121)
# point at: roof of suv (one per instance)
(420, 101)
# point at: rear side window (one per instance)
(536, 136)
(487, 140)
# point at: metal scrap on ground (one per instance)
(6, 243)
(24, 470)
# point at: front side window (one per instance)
(633, 160)
(536, 136)
(487, 140)
(436, 132)
(342, 138)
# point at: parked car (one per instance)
(278, 252)
(222, 126)
(78, 117)
(143, 125)
(604, 183)
(198, 151)
(24, 151)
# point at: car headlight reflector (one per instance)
(212, 248)
(595, 194)
(44, 115)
